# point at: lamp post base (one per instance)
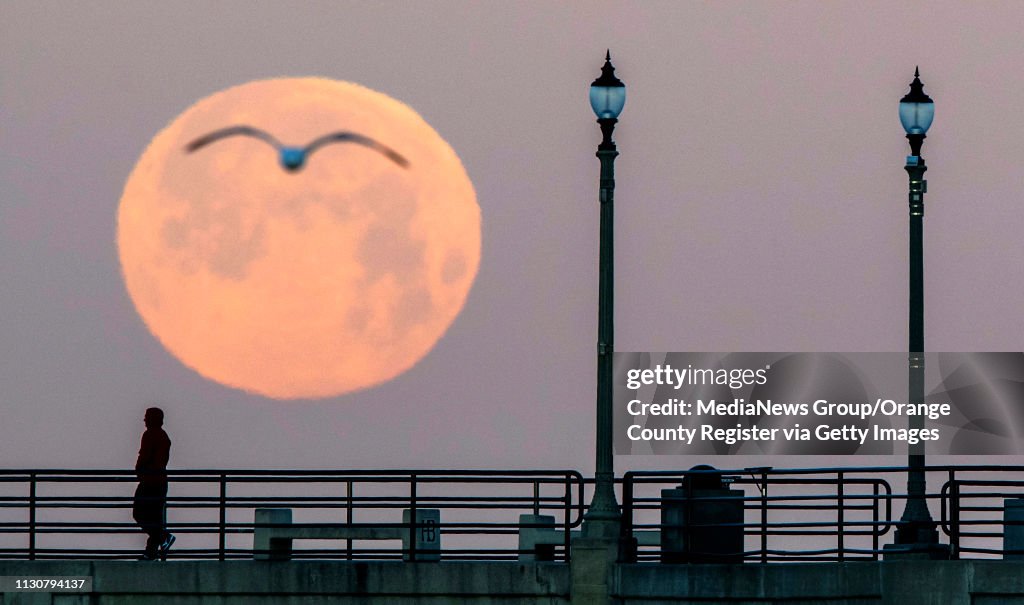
(929, 551)
(605, 528)
(603, 518)
(917, 532)
(917, 540)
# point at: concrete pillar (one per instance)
(428, 534)
(1013, 527)
(268, 549)
(926, 582)
(592, 562)
(534, 542)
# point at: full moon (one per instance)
(305, 284)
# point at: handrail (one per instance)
(800, 514)
(479, 509)
(795, 512)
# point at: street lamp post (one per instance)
(607, 97)
(916, 529)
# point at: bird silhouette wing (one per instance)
(231, 131)
(351, 137)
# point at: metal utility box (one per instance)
(702, 521)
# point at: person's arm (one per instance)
(145, 453)
(161, 452)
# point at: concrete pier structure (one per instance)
(974, 582)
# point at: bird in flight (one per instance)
(293, 158)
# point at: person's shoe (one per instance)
(168, 541)
(147, 557)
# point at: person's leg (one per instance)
(138, 509)
(160, 519)
(153, 542)
(148, 513)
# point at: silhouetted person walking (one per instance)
(151, 495)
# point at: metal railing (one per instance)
(814, 514)
(972, 506)
(43, 513)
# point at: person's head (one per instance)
(154, 417)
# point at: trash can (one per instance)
(693, 525)
(1013, 528)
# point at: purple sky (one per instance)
(761, 206)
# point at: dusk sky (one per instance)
(761, 205)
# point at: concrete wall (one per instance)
(918, 582)
(299, 582)
(504, 583)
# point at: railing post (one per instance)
(954, 515)
(348, 517)
(764, 516)
(567, 513)
(32, 517)
(627, 551)
(412, 517)
(222, 539)
(536, 497)
(839, 513)
(688, 519)
(874, 521)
